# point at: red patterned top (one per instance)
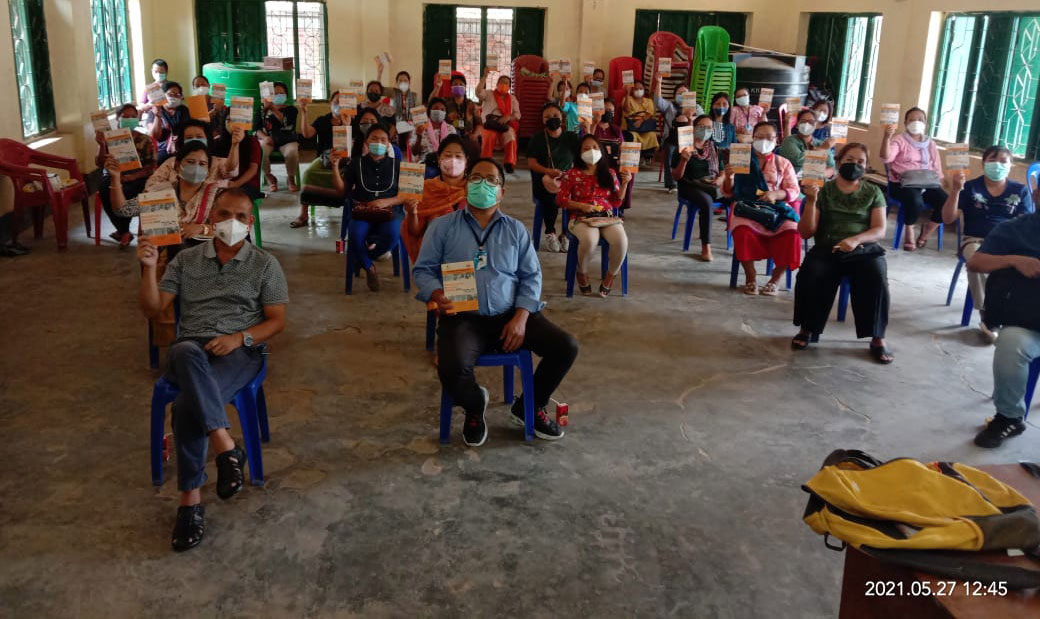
(581, 187)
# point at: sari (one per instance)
(439, 198)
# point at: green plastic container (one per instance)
(242, 79)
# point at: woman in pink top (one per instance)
(913, 150)
(771, 180)
(745, 116)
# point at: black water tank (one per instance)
(787, 79)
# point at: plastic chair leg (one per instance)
(527, 384)
(939, 238)
(257, 239)
(507, 384)
(691, 215)
(953, 281)
(536, 226)
(843, 299)
(1034, 374)
(261, 415)
(343, 225)
(446, 406)
(246, 404)
(153, 350)
(348, 285)
(97, 219)
(899, 230)
(675, 224)
(769, 266)
(788, 279)
(969, 304)
(395, 257)
(624, 277)
(733, 273)
(158, 425)
(406, 276)
(571, 268)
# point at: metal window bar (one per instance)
(855, 48)
(24, 68)
(297, 29)
(866, 95)
(1022, 86)
(952, 74)
(480, 32)
(111, 53)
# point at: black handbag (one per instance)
(1012, 300)
(862, 251)
(493, 122)
(761, 213)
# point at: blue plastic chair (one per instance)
(691, 215)
(252, 415)
(520, 359)
(843, 305)
(735, 270)
(1034, 374)
(571, 269)
(901, 219)
(536, 226)
(1033, 177)
(399, 254)
(969, 302)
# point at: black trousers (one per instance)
(464, 337)
(818, 281)
(914, 201)
(703, 203)
(130, 190)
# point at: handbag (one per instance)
(1012, 300)
(702, 185)
(494, 123)
(762, 213)
(865, 250)
(648, 125)
(920, 179)
(363, 211)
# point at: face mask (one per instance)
(482, 195)
(279, 99)
(851, 171)
(202, 141)
(591, 156)
(231, 231)
(702, 133)
(437, 115)
(365, 127)
(173, 100)
(129, 123)
(597, 83)
(552, 124)
(607, 117)
(403, 86)
(334, 109)
(821, 116)
(200, 90)
(458, 91)
(743, 100)
(721, 111)
(193, 173)
(806, 128)
(160, 77)
(503, 88)
(638, 92)
(996, 171)
(453, 167)
(374, 96)
(763, 147)
(377, 148)
(915, 128)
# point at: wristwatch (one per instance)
(247, 338)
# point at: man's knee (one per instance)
(187, 351)
(568, 346)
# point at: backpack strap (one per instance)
(957, 565)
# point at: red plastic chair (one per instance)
(531, 92)
(17, 161)
(669, 45)
(616, 90)
(781, 114)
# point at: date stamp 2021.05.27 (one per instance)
(938, 588)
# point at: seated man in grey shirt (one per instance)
(232, 299)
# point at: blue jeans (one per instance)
(386, 236)
(207, 383)
(1015, 349)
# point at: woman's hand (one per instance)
(727, 173)
(626, 177)
(686, 153)
(237, 135)
(147, 254)
(99, 138)
(190, 230)
(411, 206)
(554, 173)
(890, 130)
(811, 191)
(583, 124)
(957, 180)
(847, 245)
(113, 169)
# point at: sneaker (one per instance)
(989, 334)
(383, 257)
(565, 243)
(474, 433)
(509, 168)
(998, 429)
(551, 243)
(670, 189)
(545, 427)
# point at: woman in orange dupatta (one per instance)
(443, 194)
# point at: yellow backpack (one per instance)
(903, 510)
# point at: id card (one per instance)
(480, 260)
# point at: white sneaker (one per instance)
(384, 257)
(551, 243)
(565, 243)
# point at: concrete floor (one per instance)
(675, 493)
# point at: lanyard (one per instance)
(481, 241)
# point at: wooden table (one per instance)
(861, 569)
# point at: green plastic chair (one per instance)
(257, 239)
(721, 77)
(712, 44)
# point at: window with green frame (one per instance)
(111, 53)
(987, 81)
(32, 66)
(843, 50)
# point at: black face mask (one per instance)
(552, 124)
(851, 171)
(607, 117)
(374, 96)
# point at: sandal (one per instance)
(189, 527)
(881, 354)
(299, 222)
(750, 289)
(604, 292)
(921, 243)
(801, 341)
(272, 183)
(587, 288)
(909, 247)
(769, 290)
(125, 239)
(230, 479)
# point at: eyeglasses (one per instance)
(491, 180)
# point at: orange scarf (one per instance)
(439, 198)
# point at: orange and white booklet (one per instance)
(957, 157)
(304, 90)
(765, 98)
(584, 107)
(342, 138)
(159, 223)
(460, 285)
(740, 158)
(664, 67)
(588, 67)
(218, 92)
(444, 67)
(794, 105)
(689, 103)
(241, 115)
(685, 138)
(120, 143)
(814, 168)
(628, 77)
(840, 130)
(629, 159)
(411, 179)
(889, 114)
(99, 120)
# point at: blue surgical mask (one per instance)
(202, 141)
(193, 173)
(996, 171)
(279, 98)
(482, 195)
(377, 148)
(721, 111)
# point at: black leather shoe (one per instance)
(229, 472)
(188, 530)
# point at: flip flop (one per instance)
(298, 223)
(880, 352)
(801, 341)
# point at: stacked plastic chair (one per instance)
(531, 91)
(667, 45)
(616, 90)
(712, 70)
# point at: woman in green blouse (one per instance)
(846, 217)
(801, 139)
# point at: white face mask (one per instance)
(173, 100)
(591, 156)
(821, 116)
(638, 92)
(743, 100)
(916, 127)
(200, 90)
(231, 231)
(403, 86)
(763, 147)
(806, 128)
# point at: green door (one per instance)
(528, 31)
(230, 30)
(438, 41)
